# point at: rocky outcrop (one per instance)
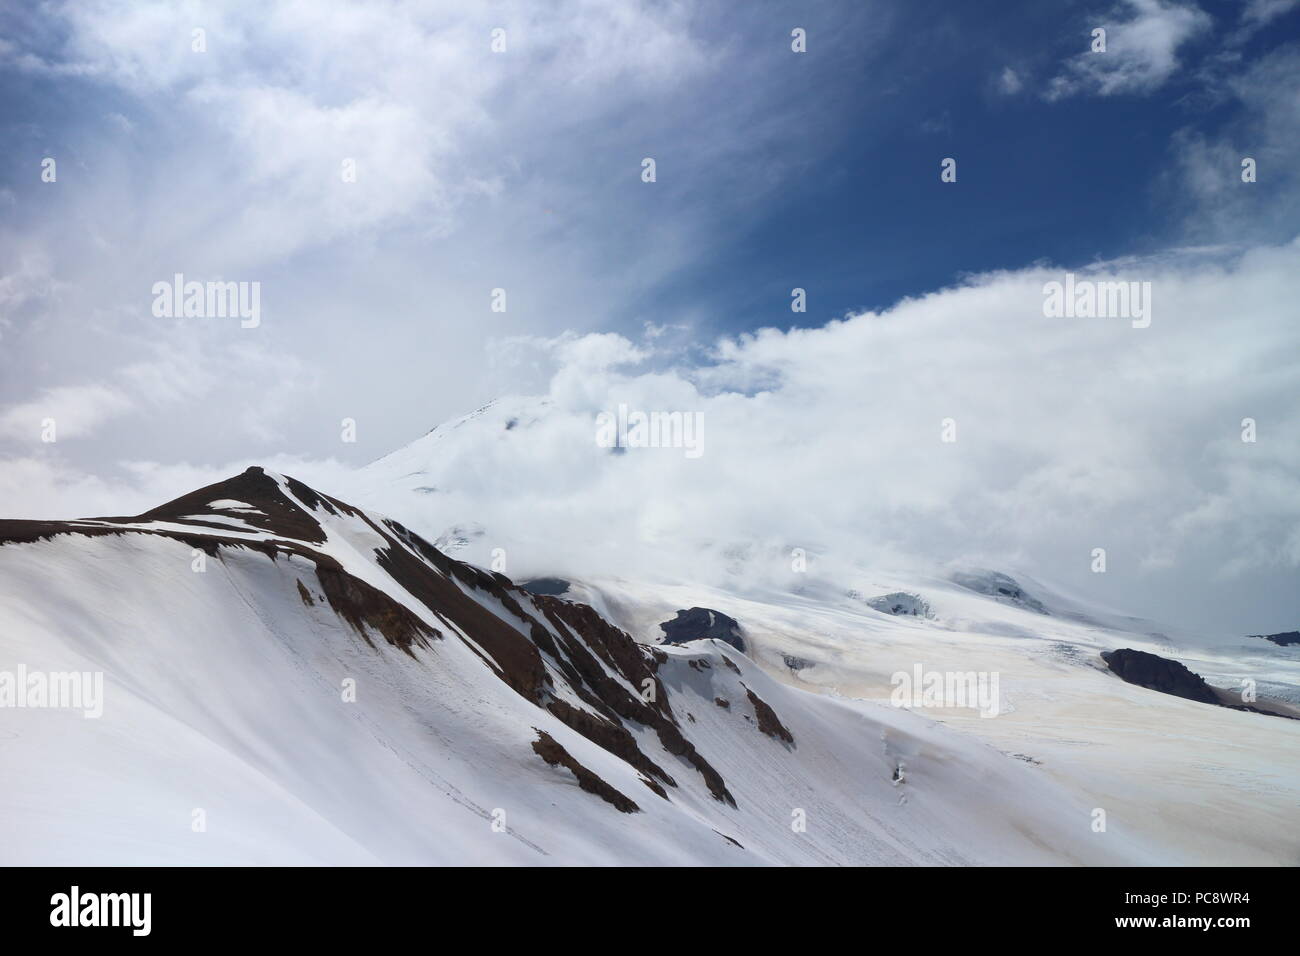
(900, 604)
(552, 587)
(560, 656)
(999, 586)
(702, 623)
(1171, 677)
(797, 663)
(1158, 673)
(546, 747)
(768, 722)
(1284, 639)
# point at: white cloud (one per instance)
(285, 91)
(75, 410)
(1142, 42)
(49, 486)
(1206, 174)
(478, 170)
(1260, 12)
(475, 170)
(168, 375)
(1071, 434)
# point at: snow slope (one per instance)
(1206, 784)
(1203, 784)
(488, 725)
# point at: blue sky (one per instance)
(521, 170)
(778, 170)
(862, 219)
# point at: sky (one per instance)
(223, 156)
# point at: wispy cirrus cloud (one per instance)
(1207, 169)
(474, 170)
(1259, 13)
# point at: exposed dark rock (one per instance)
(1171, 677)
(554, 754)
(275, 513)
(702, 623)
(514, 658)
(660, 791)
(612, 737)
(768, 722)
(637, 665)
(536, 643)
(900, 604)
(362, 606)
(796, 663)
(722, 702)
(677, 745)
(549, 586)
(1284, 639)
(1158, 673)
(1000, 586)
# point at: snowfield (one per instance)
(1205, 784)
(323, 687)
(1198, 784)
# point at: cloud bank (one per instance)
(520, 170)
(1071, 434)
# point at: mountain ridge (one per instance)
(227, 619)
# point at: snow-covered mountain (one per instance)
(290, 679)
(844, 628)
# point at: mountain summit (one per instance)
(291, 679)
